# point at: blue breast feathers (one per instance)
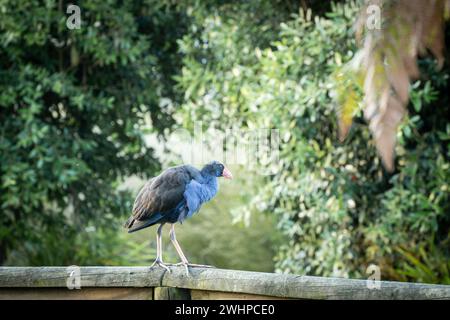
(197, 193)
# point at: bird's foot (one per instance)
(161, 264)
(187, 265)
(194, 265)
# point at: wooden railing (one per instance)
(202, 283)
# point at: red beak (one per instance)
(226, 173)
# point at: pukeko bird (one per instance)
(173, 196)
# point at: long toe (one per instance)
(199, 265)
(161, 264)
(193, 265)
(185, 265)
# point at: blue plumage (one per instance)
(198, 192)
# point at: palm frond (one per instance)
(388, 61)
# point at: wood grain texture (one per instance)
(219, 280)
(218, 295)
(90, 276)
(300, 287)
(75, 294)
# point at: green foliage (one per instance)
(92, 246)
(71, 106)
(340, 210)
(425, 264)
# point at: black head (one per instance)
(217, 169)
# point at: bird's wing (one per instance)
(162, 193)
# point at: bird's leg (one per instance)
(175, 243)
(184, 260)
(158, 259)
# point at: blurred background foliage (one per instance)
(76, 107)
(72, 103)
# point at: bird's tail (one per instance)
(129, 223)
(134, 225)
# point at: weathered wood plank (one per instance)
(81, 294)
(90, 276)
(301, 287)
(218, 295)
(219, 280)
